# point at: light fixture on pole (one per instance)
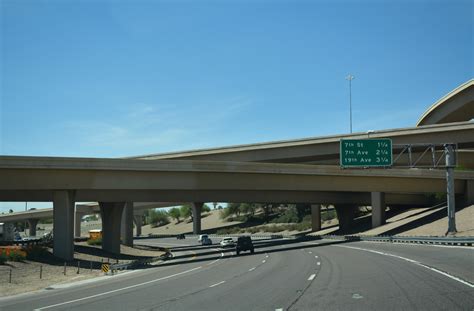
(350, 78)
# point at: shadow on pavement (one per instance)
(260, 248)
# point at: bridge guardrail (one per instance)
(463, 241)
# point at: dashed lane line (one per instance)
(413, 262)
(251, 269)
(217, 284)
(117, 290)
(222, 255)
(312, 276)
(318, 263)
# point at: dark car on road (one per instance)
(244, 243)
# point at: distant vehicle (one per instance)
(201, 236)
(206, 241)
(244, 243)
(181, 236)
(227, 242)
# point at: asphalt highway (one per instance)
(281, 275)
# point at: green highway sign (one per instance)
(366, 152)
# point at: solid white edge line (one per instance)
(251, 269)
(279, 309)
(424, 244)
(213, 285)
(213, 262)
(263, 261)
(318, 263)
(413, 262)
(117, 290)
(315, 256)
(312, 276)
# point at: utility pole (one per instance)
(350, 78)
(450, 164)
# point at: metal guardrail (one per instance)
(212, 235)
(464, 241)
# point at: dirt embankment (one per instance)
(31, 275)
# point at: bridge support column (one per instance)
(63, 224)
(469, 193)
(378, 209)
(32, 223)
(111, 214)
(127, 224)
(196, 210)
(138, 220)
(345, 215)
(315, 217)
(77, 223)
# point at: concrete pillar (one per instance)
(138, 220)
(315, 217)
(378, 209)
(469, 193)
(32, 223)
(77, 223)
(196, 209)
(127, 224)
(63, 224)
(111, 214)
(345, 215)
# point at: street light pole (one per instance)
(350, 78)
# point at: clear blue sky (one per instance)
(123, 78)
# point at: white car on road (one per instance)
(227, 242)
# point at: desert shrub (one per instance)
(328, 215)
(16, 255)
(289, 216)
(94, 241)
(253, 230)
(158, 218)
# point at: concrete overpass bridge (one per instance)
(325, 150)
(116, 183)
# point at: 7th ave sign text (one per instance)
(366, 152)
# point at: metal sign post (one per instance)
(450, 164)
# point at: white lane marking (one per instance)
(311, 277)
(310, 243)
(357, 296)
(213, 285)
(263, 261)
(251, 269)
(222, 255)
(318, 263)
(280, 309)
(310, 252)
(118, 290)
(413, 262)
(315, 256)
(266, 256)
(213, 262)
